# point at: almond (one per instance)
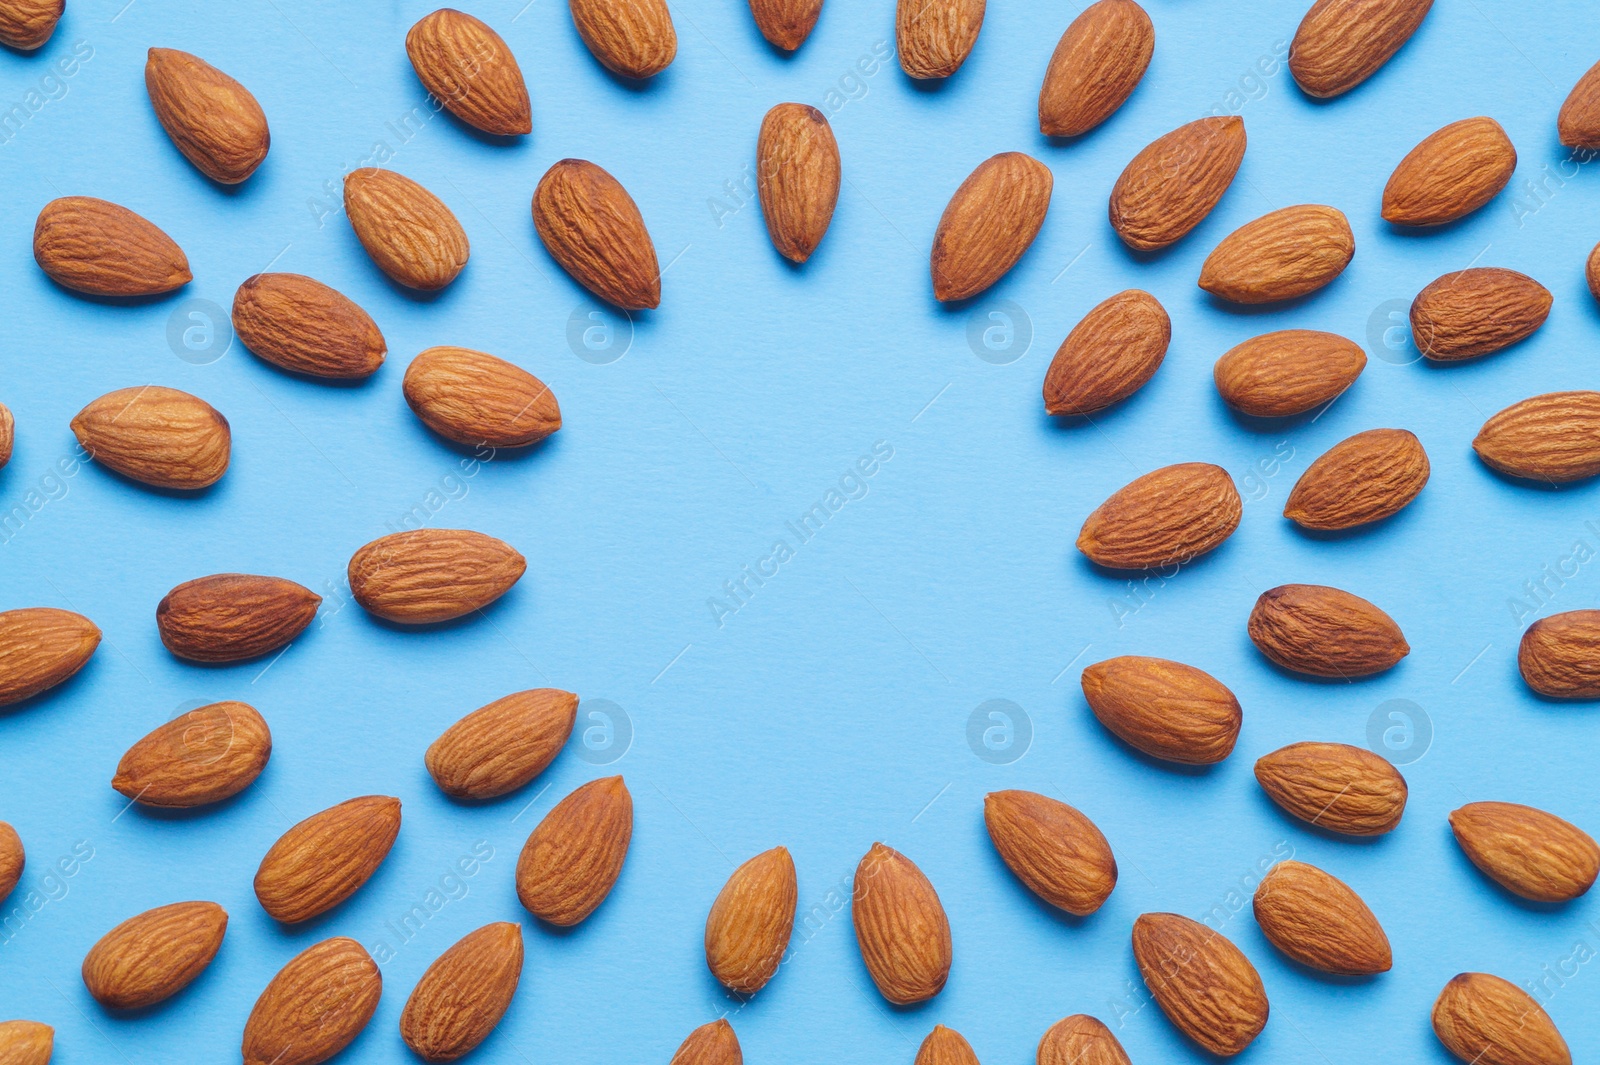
(498, 748)
(1060, 854)
(1097, 64)
(1288, 372)
(204, 756)
(573, 857)
(26, 1042)
(152, 956)
(988, 224)
(1325, 632)
(1318, 921)
(1363, 478)
(314, 1007)
(1526, 851)
(1173, 184)
(468, 67)
(408, 231)
(157, 436)
(1452, 173)
(633, 38)
(785, 23)
(592, 227)
(229, 617)
(1080, 1040)
(300, 324)
(1280, 255)
(430, 575)
(1334, 786)
(1167, 517)
(797, 176)
(901, 927)
(935, 38)
(214, 121)
(1592, 272)
(1476, 312)
(945, 1046)
(1109, 355)
(1341, 43)
(710, 1044)
(748, 928)
(1554, 437)
(8, 429)
(40, 647)
(1560, 655)
(12, 860)
(479, 400)
(1578, 123)
(1165, 709)
(25, 25)
(1484, 1020)
(1203, 983)
(464, 993)
(324, 859)
(97, 247)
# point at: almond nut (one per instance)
(1203, 983)
(8, 431)
(464, 993)
(1361, 479)
(498, 748)
(97, 247)
(26, 25)
(934, 39)
(1526, 851)
(230, 617)
(633, 38)
(1318, 921)
(326, 858)
(988, 224)
(748, 928)
(1109, 355)
(1452, 173)
(467, 65)
(1477, 312)
(40, 647)
(408, 231)
(1554, 437)
(1167, 710)
(1097, 64)
(157, 436)
(12, 861)
(945, 1046)
(797, 176)
(26, 1042)
(1167, 517)
(1325, 632)
(1173, 184)
(302, 325)
(214, 121)
(204, 756)
(592, 227)
(1280, 255)
(573, 857)
(1484, 1020)
(1288, 372)
(1057, 852)
(152, 956)
(1080, 1040)
(314, 1007)
(1334, 786)
(1341, 43)
(901, 927)
(785, 23)
(478, 400)
(1578, 123)
(431, 575)
(710, 1044)
(1560, 655)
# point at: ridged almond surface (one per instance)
(314, 1007)
(797, 176)
(1203, 983)
(104, 249)
(498, 748)
(1476, 312)
(326, 858)
(1166, 709)
(1334, 786)
(204, 756)
(945, 1046)
(988, 224)
(1526, 851)
(479, 400)
(430, 575)
(157, 436)
(1341, 43)
(214, 121)
(1288, 372)
(40, 647)
(12, 859)
(26, 25)
(1592, 272)
(1560, 655)
(1363, 478)
(1056, 851)
(229, 617)
(710, 1044)
(748, 928)
(26, 1042)
(1175, 181)
(1554, 437)
(470, 69)
(302, 325)
(8, 433)
(1280, 256)
(592, 227)
(152, 956)
(901, 927)
(1109, 355)
(1317, 920)
(1080, 1040)
(785, 23)
(408, 231)
(1097, 64)
(633, 38)
(934, 37)
(1484, 1020)
(1167, 517)
(1578, 123)
(464, 993)
(573, 857)
(1325, 632)
(1452, 173)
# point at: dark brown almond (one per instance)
(901, 927)
(215, 122)
(464, 993)
(1203, 983)
(152, 956)
(1560, 655)
(750, 922)
(934, 39)
(1289, 372)
(12, 859)
(1057, 852)
(26, 25)
(1316, 919)
(1334, 786)
(988, 224)
(204, 756)
(314, 1007)
(1173, 184)
(467, 65)
(302, 325)
(1554, 437)
(1477, 312)
(573, 857)
(326, 858)
(430, 575)
(1280, 256)
(945, 1046)
(1452, 173)
(407, 230)
(479, 400)
(710, 1044)
(1080, 1040)
(1166, 709)
(797, 176)
(1341, 43)
(157, 436)
(1526, 851)
(633, 38)
(785, 23)
(1363, 478)
(1325, 632)
(1578, 123)
(1484, 1020)
(1167, 517)
(1097, 64)
(1109, 355)
(40, 647)
(104, 249)
(498, 748)
(229, 617)
(592, 227)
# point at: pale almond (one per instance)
(40, 647)
(430, 575)
(300, 324)
(573, 857)
(200, 757)
(152, 956)
(1175, 181)
(215, 122)
(1280, 256)
(1476, 312)
(1056, 851)
(1452, 173)
(934, 37)
(1165, 709)
(1316, 919)
(157, 436)
(1334, 786)
(469, 68)
(1527, 851)
(1325, 632)
(314, 1007)
(592, 227)
(1341, 43)
(1109, 355)
(748, 928)
(901, 927)
(478, 400)
(500, 747)
(988, 224)
(231, 617)
(797, 177)
(1288, 372)
(326, 858)
(464, 993)
(1554, 438)
(104, 249)
(1363, 478)
(408, 231)
(1167, 517)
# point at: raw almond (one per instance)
(25, 25)
(408, 231)
(1288, 372)
(748, 928)
(1203, 983)
(1060, 854)
(1325, 632)
(797, 176)
(1554, 437)
(479, 400)
(934, 38)
(1526, 851)
(710, 1044)
(1080, 1040)
(300, 324)
(901, 927)
(592, 227)
(1452, 173)
(573, 857)
(1109, 355)
(157, 436)
(1097, 64)
(1578, 123)
(26, 1042)
(1341, 43)
(785, 23)
(464, 993)
(498, 748)
(8, 429)
(98, 247)
(945, 1046)
(314, 1007)
(1592, 272)
(1484, 1020)
(988, 224)
(204, 756)
(1167, 517)
(1560, 655)
(1363, 478)
(467, 65)
(1173, 184)
(214, 121)
(1318, 921)
(633, 38)
(229, 617)
(1165, 709)
(12, 859)
(152, 956)
(1476, 312)
(1280, 255)
(326, 858)
(430, 575)
(40, 647)
(1334, 786)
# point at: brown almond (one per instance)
(26, 1042)
(498, 748)
(40, 647)
(1203, 983)
(1165, 709)
(214, 121)
(710, 1044)
(592, 227)
(1318, 921)
(934, 39)
(748, 928)
(1477, 312)
(1280, 256)
(229, 617)
(12, 859)
(1080, 1040)
(1341, 43)
(464, 993)
(1578, 123)
(1173, 184)
(633, 38)
(8, 432)
(1592, 272)
(1288, 372)
(430, 575)
(204, 756)
(1363, 478)
(407, 230)
(314, 1007)
(945, 1046)
(103, 249)
(300, 324)
(157, 436)
(797, 176)
(1167, 517)
(1334, 786)
(26, 25)
(1554, 437)
(1057, 852)
(467, 65)
(785, 23)
(479, 400)
(1484, 1020)
(573, 857)
(988, 224)
(901, 927)
(1560, 655)
(1097, 64)
(1109, 355)
(1325, 632)
(326, 858)
(1452, 173)
(152, 956)
(1526, 851)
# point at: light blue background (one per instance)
(831, 710)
